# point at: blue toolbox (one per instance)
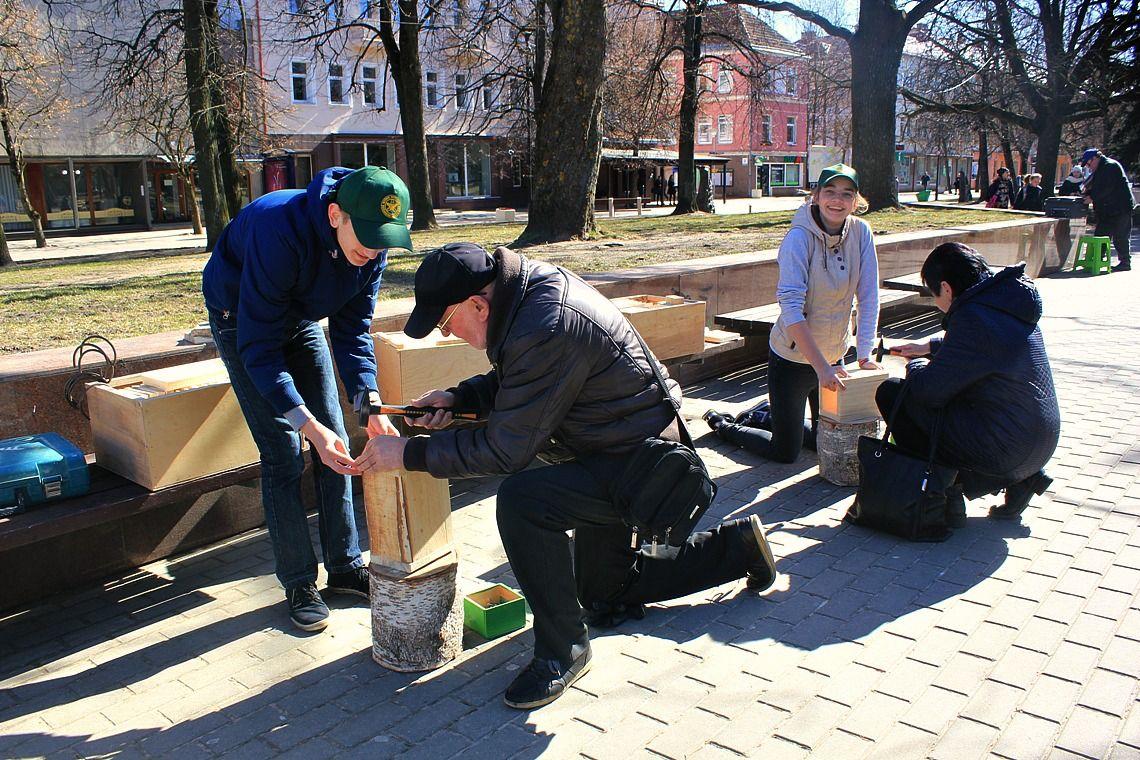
(39, 468)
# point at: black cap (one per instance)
(447, 275)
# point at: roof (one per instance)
(664, 156)
(742, 25)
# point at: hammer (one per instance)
(367, 409)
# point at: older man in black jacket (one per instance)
(990, 378)
(570, 384)
(1112, 201)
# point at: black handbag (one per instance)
(665, 489)
(901, 493)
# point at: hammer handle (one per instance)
(422, 411)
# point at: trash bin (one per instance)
(923, 196)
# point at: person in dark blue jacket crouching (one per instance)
(989, 374)
(290, 259)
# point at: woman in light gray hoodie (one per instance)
(827, 264)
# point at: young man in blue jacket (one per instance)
(290, 259)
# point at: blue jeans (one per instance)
(309, 362)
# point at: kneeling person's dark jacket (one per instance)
(992, 376)
(568, 378)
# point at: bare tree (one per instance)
(641, 99)
(1057, 54)
(876, 47)
(568, 137)
(31, 76)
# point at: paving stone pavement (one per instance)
(1010, 641)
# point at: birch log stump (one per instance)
(417, 611)
(837, 446)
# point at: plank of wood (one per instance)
(181, 376)
(856, 401)
(409, 519)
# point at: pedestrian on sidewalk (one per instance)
(1000, 192)
(672, 188)
(1111, 197)
(572, 385)
(827, 264)
(1031, 197)
(290, 259)
(962, 185)
(990, 378)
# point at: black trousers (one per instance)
(1119, 228)
(536, 507)
(909, 435)
(791, 385)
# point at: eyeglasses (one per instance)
(447, 318)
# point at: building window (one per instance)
(468, 169)
(724, 129)
(368, 84)
(464, 98)
(766, 130)
(704, 77)
(431, 89)
(704, 131)
(791, 175)
(488, 97)
(457, 14)
(721, 178)
(791, 130)
(724, 81)
(336, 84)
(300, 75)
(792, 81)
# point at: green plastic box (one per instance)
(494, 611)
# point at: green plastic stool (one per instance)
(1094, 254)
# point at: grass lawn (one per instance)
(48, 305)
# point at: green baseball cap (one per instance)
(377, 201)
(835, 171)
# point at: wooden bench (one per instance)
(118, 524)
(760, 320)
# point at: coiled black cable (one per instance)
(75, 389)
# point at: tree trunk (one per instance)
(1007, 154)
(232, 179)
(876, 51)
(409, 92)
(16, 162)
(983, 159)
(205, 137)
(568, 141)
(686, 140)
(1048, 131)
(192, 193)
(5, 254)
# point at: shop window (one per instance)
(300, 76)
(303, 169)
(792, 175)
(468, 169)
(352, 154)
(378, 154)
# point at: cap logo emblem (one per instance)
(390, 206)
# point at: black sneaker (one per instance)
(353, 582)
(306, 608)
(1125, 267)
(543, 681)
(716, 419)
(1017, 496)
(762, 570)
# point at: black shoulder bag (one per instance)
(898, 492)
(665, 489)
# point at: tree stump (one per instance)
(837, 446)
(417, 618)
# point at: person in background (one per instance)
(962, 185)
(988, 375)
(827, 264)
(1000, 192)
(1073, 182)
(1111, 197)
(1031, 197)
(290, 259)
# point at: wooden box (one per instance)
(855, 402)
(407, 368)
(409, 519)
(171, 425)
(670, 325)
